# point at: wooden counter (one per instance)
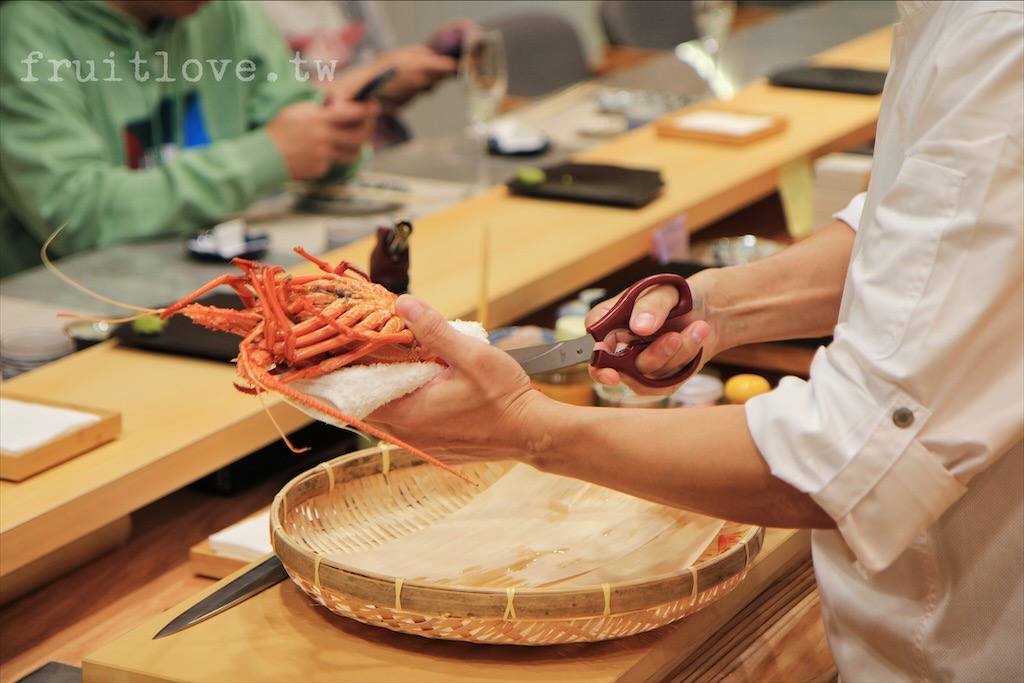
(182, 418)
(540, 251)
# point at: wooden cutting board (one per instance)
(281, 635)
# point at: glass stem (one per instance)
(483, 180)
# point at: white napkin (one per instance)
(246, 540)
(512, 136)
(24, 426)
(358, 390)
(722, 122)
(230, 236)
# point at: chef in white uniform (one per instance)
(904, 449)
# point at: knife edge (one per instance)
(257, 579)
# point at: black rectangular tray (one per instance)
(831, 78)
(181, 336)
(594, 184)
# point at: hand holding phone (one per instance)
(374, 85)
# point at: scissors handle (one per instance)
(618, 318)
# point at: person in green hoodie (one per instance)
(129, 120)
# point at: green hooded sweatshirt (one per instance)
(141, 132)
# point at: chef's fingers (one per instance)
(605, 376)
(666, 355)
(431, 329)
(651, 309)
(672, 350)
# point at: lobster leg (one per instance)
(223, 319)
(340, 269)
(236, 282)
(333, 363)
(343, 335)
(265, 285)
(323, 265)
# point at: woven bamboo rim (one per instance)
(365, 498)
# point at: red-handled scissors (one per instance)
(547, 357)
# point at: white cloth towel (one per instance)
(358, 390)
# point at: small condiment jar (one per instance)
(571, 384)
(700, 390)
(621, 396)
(568, 385)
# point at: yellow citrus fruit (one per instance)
(741, 388)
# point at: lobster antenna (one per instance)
(85, 290)
(284, 437)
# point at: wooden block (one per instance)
(205, 561)
(720, 124)
(216, 560)
(24, 464)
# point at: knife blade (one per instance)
(256, 580)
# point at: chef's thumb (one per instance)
(432, 329)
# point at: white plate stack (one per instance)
(25, 349)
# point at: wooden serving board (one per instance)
(674, 125)
(24, 464)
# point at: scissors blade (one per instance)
(259, 578)
(547, 357)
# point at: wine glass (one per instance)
(713, 20)
(484, 73)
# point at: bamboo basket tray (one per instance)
(366, 498)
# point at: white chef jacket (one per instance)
(909, 431)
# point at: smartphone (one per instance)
(374, 85)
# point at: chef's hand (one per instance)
(476, 407)
(671, 350)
